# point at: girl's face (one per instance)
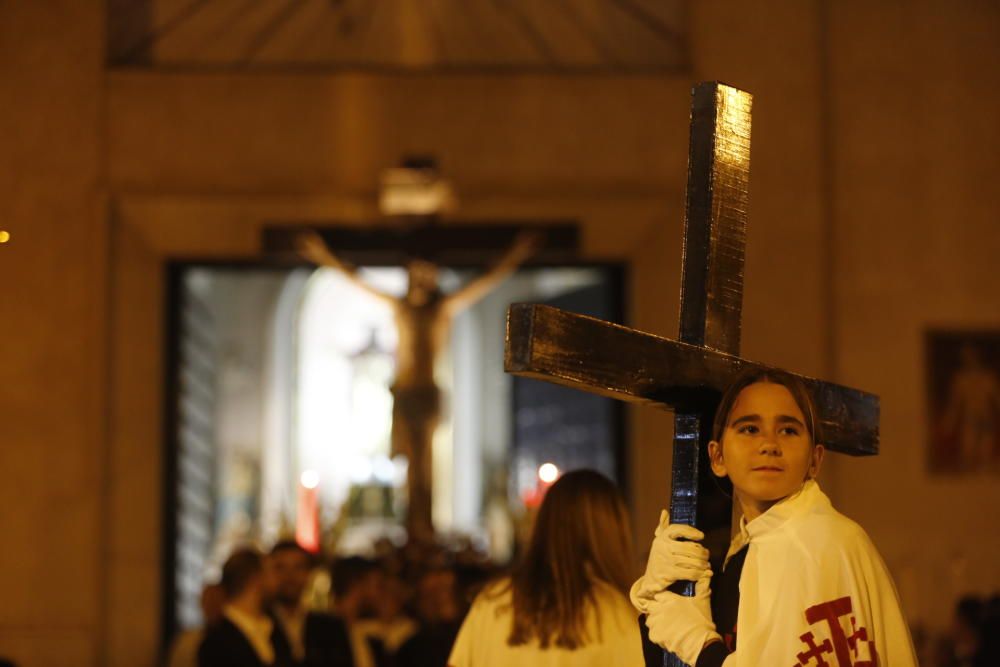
(766, 450)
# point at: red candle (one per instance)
(307, 518)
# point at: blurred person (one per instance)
(438, 613)
(302, 637)
(966, 626)
(184, 649)
(796, 568)
(391, 626)
(420, 555)
(566, 602)
(243, 636)
(989, 634)
(357, 582)
(436, 599)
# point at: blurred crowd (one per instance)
(565, 601)
(973, 639)
(290, 608)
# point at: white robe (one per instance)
(814, 592)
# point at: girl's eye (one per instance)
(789, 430)
(747, 429)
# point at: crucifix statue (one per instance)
(690, 374)
(423, 319)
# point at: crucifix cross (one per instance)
(686, 375)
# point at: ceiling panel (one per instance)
(407, 35)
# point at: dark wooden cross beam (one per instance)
(455, 243)
(688, 375)
(582, 352)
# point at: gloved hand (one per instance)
(670, 560)
(683, 625)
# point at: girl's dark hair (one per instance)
(795, 386)
(581, 535)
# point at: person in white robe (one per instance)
(812, 589)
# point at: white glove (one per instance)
(670, 560)
(683, 625)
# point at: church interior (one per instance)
(176, 380)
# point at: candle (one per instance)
(307, 518)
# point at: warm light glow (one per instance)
(4, 236)
(344, 406)
(548, 472)
(307, 516)
(361, 470)
(735, 112)
(384, 470)
(310, 479)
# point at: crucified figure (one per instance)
(423, 319)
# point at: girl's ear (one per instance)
(816, 462)
(715, 456)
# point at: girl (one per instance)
(801, 584)
(566, 603)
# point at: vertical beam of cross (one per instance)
(712, 281)
(715, 221)
(714, 242)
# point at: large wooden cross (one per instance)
(687, 375)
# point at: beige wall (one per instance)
(53, 333)
(871, 169)
(917, 236)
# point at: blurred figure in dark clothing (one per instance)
(302, 638)
(392, 625)
(356, 586)
(438, 613)
(989, 645)
(965, 628)
(243, 636)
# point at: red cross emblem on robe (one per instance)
(835, 636)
